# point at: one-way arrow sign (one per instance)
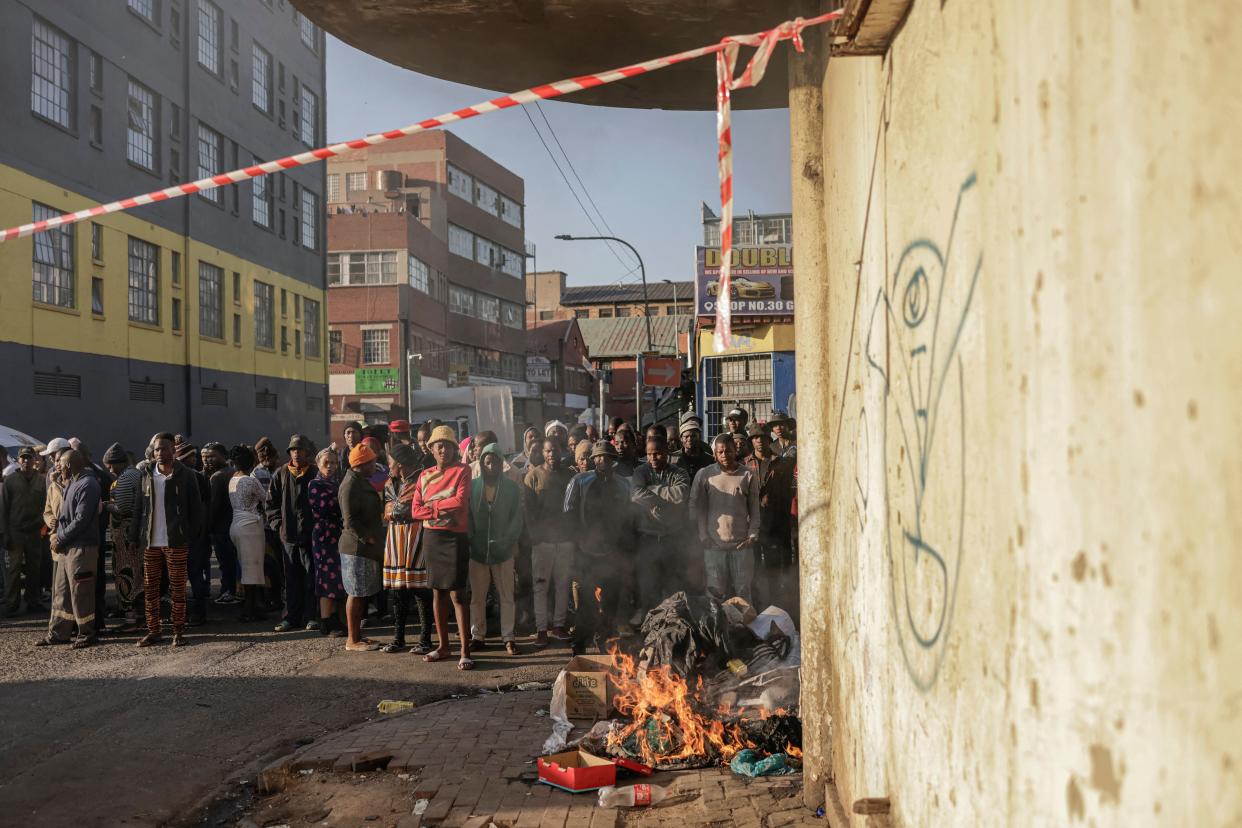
(662, 372)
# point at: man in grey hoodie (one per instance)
(77, 545)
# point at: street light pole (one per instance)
(638, 401)
(676, 320)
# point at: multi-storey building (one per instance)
(204, 314)
(548, 298)
(425, 274)
(557, 360)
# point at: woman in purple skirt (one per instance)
(325, 512)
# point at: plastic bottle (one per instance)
(633, 796)
(392, 705)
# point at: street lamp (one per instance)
(676, 320)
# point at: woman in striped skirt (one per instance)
(405, 571)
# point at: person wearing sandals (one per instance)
(325, 512)
(247, 500)
(362, 543)
(496, 523)
(405, 571)
(442, 503)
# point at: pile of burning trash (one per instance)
(707, 683)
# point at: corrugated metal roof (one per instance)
(627, 336)
(601, 294)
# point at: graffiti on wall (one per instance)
(912, 348)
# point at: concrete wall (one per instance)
(1020, 518)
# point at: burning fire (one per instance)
(599, 592)
(665, 723)
(793, 751)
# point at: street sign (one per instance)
(538, 369)
(376, 380)
(662, 372)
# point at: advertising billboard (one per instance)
(761, 281)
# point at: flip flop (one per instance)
(465, 664)
(362, 647)
(436, 655)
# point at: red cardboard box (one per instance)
(576, 771)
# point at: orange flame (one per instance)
(664, 717)
(793, 751)
(598, 594)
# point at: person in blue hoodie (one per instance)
(77, 552)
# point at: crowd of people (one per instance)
(574, 538)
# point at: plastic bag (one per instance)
(752, 763)
(762, 626)
(561, 726)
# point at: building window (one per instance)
(460, 184)
(236, 288)
(485, 198)
(264, 308)
(210, 301)
(362, 267)
(148, 10)
(51, 74)
(623, 311)
(334, 188)
(176, 315)
(355, 182)
(486, 253)
(461, 300)
(605, 313)
(261, 78)
(94, 72)
(420, 275)
(310, 219)
(97, 296)
(545, 315)
(141, 138)
(461, 241)
(336, 348)
(209, 43)
(261, 201)
(307, 30)
(237, 329)
(375, 347)
(582, 313)
(511, 263)
(94, 127)
(488, 308)
(176, 269)
(96, 241)
(284, 302)
(510, 211)
(284, 339)
(52, 262)
(144, 282)
(297, 307)
(210, 150)
(511, 315)
(310, 310)
(309, 117)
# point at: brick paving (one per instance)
(473, 759)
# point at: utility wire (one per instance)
(573, 170)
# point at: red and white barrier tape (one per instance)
(726, 59)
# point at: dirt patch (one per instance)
(326, 798)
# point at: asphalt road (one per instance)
(115, 735)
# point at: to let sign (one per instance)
(662, 372)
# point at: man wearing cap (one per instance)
(724, 507)
(694, 453)
(55, 492)
(784, 441)
(599, 504)
(288, 515)
(551, 533)
(22, 496)
(126, 558)
(776, 578)
(168, 515)
(77, 537)
(660, 493)
(399, 432)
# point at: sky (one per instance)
(646, 170)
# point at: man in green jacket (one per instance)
(21, 517)
(495, 527)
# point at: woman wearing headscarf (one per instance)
(442, 502)
(362, 542)
(405, 570)
(325, 512)
(248, 497)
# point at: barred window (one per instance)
(485, 198)
(210, 151)
(510, 211)
(310, 318)
(210, 300)
(375, 347)
(209, 40)
(420, 275)
(52, 261)
(461, 241)
(355, 182)
(261, 200)
(460, 183)
(307, 31)
(264, 308)
(142, 137)
(51, 74)
(310, 219)
(144, 282)
(145, 9)
(363, 267)
(261, 78)
(334, 188)
(307, 126)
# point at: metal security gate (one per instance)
(742, 381)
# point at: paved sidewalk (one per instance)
(473, 759)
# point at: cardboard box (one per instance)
(589, 687)
(576, 771)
